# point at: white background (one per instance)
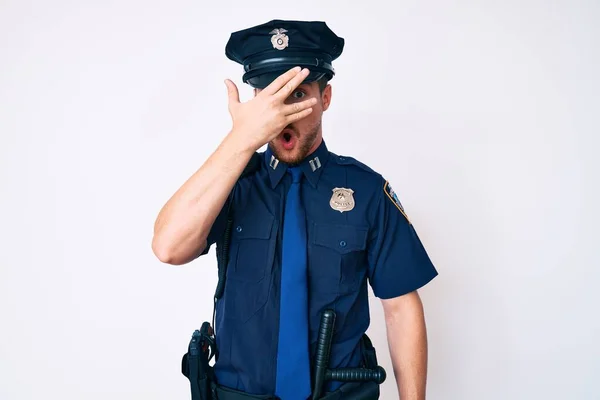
(483, 115)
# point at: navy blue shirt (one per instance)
(358, 235)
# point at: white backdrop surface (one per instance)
(483, 115)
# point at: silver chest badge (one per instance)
(279, 39)
(342, 199)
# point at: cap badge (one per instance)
(342, 199)
(279, 39)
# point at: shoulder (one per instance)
(353, 163)
(356, 169)
(368, 178)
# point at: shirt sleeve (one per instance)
(398, 262)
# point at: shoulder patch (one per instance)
(387, 188)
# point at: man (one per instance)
(310, 229)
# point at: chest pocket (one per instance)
(337, 257)
(252, 253)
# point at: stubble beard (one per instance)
(305, 144)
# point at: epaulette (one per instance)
(346, 160)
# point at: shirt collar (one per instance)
(312, 165)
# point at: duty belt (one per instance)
(360, 383)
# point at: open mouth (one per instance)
(288, 140)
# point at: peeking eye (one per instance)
(298, 94)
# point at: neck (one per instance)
(316, 144)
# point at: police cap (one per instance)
(268, 50)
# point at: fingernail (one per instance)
(297, 69)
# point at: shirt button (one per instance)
(239, 228)
(343, 243)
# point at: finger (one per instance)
(232, 92)
(292, 84)
(297, 107)
(280, 81)
(298, 116)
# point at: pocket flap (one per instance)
(341, 238)
(253, 226)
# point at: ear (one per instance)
(326, 97)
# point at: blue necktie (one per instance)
(293, 368)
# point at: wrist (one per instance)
(240, 144)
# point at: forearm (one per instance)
(183, 223)
(407, 340)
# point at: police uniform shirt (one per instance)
(358, 234)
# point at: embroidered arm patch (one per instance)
(387, 188)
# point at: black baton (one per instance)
(356, 374)
(323, 373)
(323, 351)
